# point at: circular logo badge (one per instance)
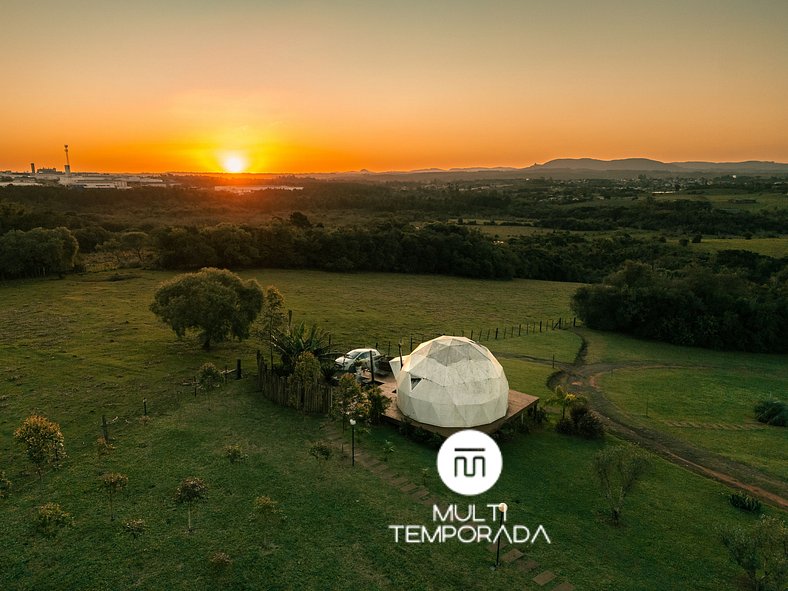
(469, 462)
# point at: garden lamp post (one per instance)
(353, 442)
(502, 508)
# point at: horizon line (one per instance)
(364, 171)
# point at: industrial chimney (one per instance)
(32, 168)
(68, 164)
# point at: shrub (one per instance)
(113, 483)
(745, 502)
(51, 517)
(220, 561)
(536, 416)
(103, 446)
(586, 423)
(772, 412)
(420, 435)
(234, 453)
(388, 449)
(189, 492)
(761, 552)
(618, 469)
(349, 400)
(320, 450)
(378, 404)
(43, 442)
(5, 486)
(266, 512)
(209, 377)
(510, 430)
(136, 527)
(265, 506)
(306, 373)
(565, 426)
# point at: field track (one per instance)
(582, 378)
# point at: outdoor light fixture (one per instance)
(353, 442)
(502, 507)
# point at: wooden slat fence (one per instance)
(282, 391)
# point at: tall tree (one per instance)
(272, 318)
(214, 301)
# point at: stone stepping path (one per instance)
(494, 546)
(716, 426)
(512, 555)
(527, 565)
(423, 496)
(408, 487)
(543, 578)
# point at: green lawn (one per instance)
(610, 347)
(82, 347)
(370, 308)
(728, 200)
(708, 397)
(336, 529)
(773, 247)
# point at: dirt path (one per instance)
(583, 378)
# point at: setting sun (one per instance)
(234, 163)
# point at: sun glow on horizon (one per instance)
(234, 162)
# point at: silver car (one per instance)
(348, 361)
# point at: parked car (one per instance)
(348, 361)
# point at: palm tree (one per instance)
(294, 340)
(565, 399)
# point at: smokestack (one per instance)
(32, 168)
(68, 164)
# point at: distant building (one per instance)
(94, 181)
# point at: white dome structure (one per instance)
(451, 382)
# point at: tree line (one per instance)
(696, 307)
(37, 253)
(434, 248)
(560, 205)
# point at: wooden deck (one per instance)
(518, 402)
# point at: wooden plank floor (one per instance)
(518, 402)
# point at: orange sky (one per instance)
(324, 86)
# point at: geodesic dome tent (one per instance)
(451, 382)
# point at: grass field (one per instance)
(732, 200)
(716, 390)
(85, 346)
(773, 247)
(718, 400)
(364, 309)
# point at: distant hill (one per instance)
(641, 164)
(568, 168)
(646, 165)
(752, 166)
